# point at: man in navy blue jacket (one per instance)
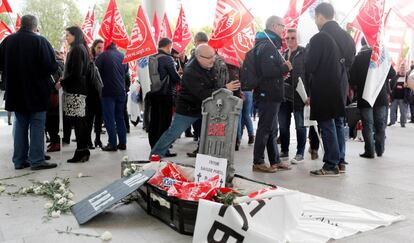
(26, 61)
(161, 102)
(113, 74)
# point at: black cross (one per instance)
(198, 177)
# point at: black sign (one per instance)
(103, 199)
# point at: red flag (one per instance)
(369, 20)
(88, 26)
(395, 32)
(165, 30)
(229, 55)
(142, 43)
(291, 17)
(18, 22)
(156, 26)
(405, 9)
(134, 71)
(4, 30)
(306, 4)
(113, 28)
(5, 7)
(182, 34)
(236, 17)
(244, 41)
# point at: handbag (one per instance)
(74, 105)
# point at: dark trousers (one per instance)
(81, 132)
(126, 115)
(94, 117)
(67, 129)
(266, 133)
(374, 122)
(161, 108)
(332, 132)
(412, 111)
(52, 127)
(197, 128)
(313, 138)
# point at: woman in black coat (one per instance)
(75, 89)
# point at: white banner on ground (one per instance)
(275, 220)
(265, 221)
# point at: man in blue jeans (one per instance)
(245, 118)
(198, 83)
(113, 74)
(374, 118)
(293, 103)
(330, 53)
(26, 61)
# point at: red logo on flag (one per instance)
(232, 22)
(156, 26)
(244, 41)
(142, 44)
(88, 26)
(369, 20)
(113, 28)
(182, 34)
(165, 30)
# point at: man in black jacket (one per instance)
(269, 94)
(293, 103)
(374, 119)
(330, 54)
(161, 102)
(198, 83)
(27, 60)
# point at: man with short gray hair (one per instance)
(27, 60)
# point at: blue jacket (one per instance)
(112, 72)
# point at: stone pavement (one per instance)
(383, 184)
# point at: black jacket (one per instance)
(166, 66)
(76, 67)
(297, 59)
(358, 76)
(398, 91)
(112, 72)
(26, 61)
(270, 68)
(197, 85)
(329, 78)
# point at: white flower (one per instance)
(48, 205)
(59, 181)
(37, 190)
(80, 175)
(134, 167)
(106, 236)
(2, 189)
(62, 188)
(126, 172)
(125, 158)
(70, 195)
(46, 182)
(56, 214)
(24, 190)
(57, 196)
(71, 203)
(62, 201)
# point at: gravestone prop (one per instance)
(103, 199)
(221, 114)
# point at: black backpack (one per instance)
(93, 78)
(249, 77)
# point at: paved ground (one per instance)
(384, 184)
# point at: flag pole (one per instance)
(349, 13)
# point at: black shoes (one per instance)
(193, 154)
(251, 140)
(47, 157)
(121, 146)
(22, 166)
(80, 156)
(170, 154)
(367, 156)
(109, 148)
(44, 166)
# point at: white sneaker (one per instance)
(297, 160)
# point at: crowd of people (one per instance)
(331, 72)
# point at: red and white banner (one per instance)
(113, 28)
(142, 43)
(18, 22)
(5, 7)
(229, 55)
(395, 32)
(244, 41)
(133, 67)
(182, 34)
(369, 20)
(231, 18)
(4, 30)
(156, 26)
(165, 30)
(88, 26)
(405, 9)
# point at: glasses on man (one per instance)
(208, 58)
(290, 38)
(281, 25)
